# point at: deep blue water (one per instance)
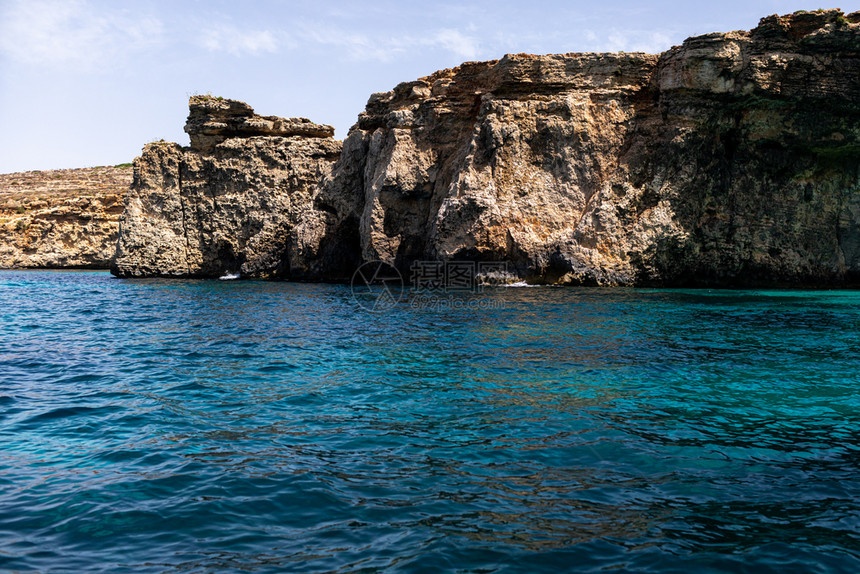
(199, 426)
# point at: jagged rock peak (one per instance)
(212, 120)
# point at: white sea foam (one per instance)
(229, 276)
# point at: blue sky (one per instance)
(89, 82)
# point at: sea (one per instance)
(239, 426)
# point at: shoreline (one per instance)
(693, 288)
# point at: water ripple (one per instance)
(199, 426)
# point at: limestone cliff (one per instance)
(230, 203)
(729, 160)
(66, 218)
(512, 160)
(753, 144)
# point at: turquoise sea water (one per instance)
(198, 426)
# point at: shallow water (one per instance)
(264, 427)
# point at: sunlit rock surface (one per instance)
(729, 160)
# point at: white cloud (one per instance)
(359, 46)
(459, 44)
(630, 41)
(72, 34)
(239, 42)
(88, 36)
(355, 46)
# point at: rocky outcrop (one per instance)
(232, 202)
(752, 146)
(215, 120)
(729, 160)
(66, 218)
(510, 160)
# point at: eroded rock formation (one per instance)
(214, 120)
(510, 160)
(730, 160)
(232, 202)
(752, 144)
(65, 218)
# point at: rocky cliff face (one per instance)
(730, 160)
(61, 218)
(513, 160)
(232, 202)
(752, 144)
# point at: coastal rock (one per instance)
(66, 218)
(753, 143)
(231, 203)
(507, 160)
(214, 120)
(729, 160)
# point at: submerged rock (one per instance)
(730, 160)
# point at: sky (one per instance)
(88, 82)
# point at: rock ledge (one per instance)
(212, 120)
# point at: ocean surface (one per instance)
(200, 426)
